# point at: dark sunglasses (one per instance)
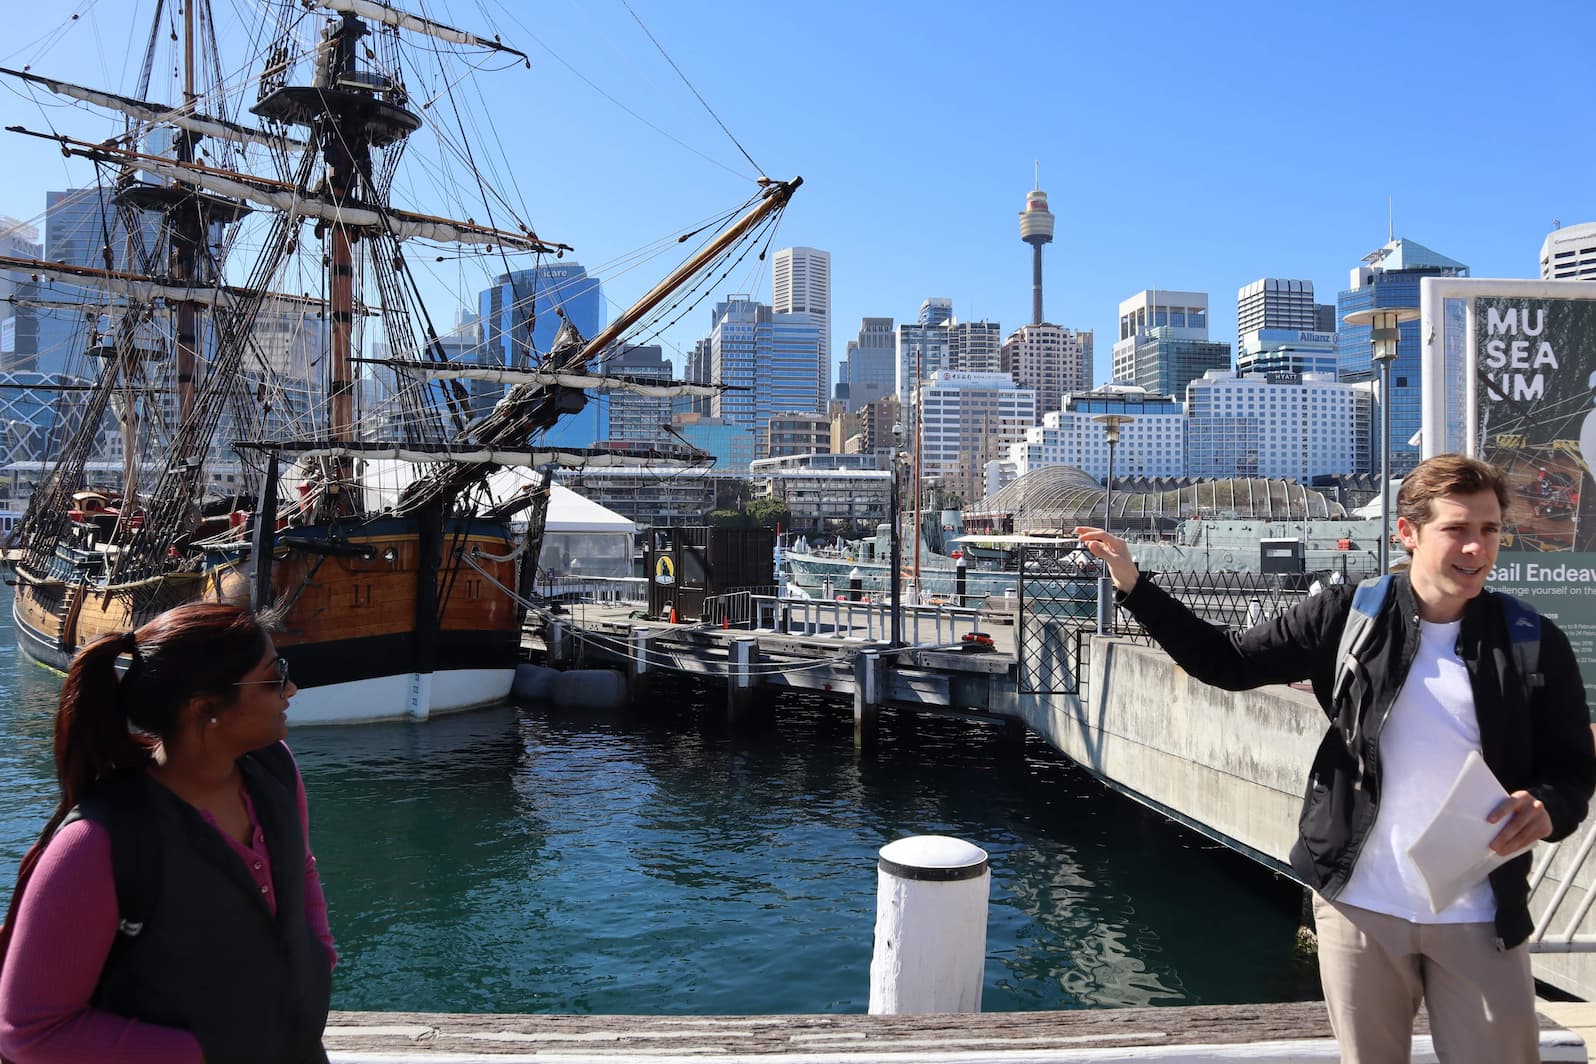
(281, 681)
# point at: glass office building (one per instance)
(1390, 278)
(519, 318)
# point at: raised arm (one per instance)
(1282, 649)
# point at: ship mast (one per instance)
(350, 112)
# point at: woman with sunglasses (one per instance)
(177, 793)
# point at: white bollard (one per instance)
(930, 950)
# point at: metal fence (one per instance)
(735, 609)
(1057, 614)
(1231, 600)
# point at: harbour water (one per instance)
(523, 859)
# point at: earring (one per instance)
(213, 720)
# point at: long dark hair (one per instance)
(107, 724)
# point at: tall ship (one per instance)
(260, 208)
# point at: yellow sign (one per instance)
(665, 570)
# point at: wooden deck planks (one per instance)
(1274, 1032)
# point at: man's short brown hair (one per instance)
(1446, 474)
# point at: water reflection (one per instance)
(657, 861)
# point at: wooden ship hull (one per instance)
(366, 635)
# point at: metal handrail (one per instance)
(595, 588)
(1569, 941)
(847, 618)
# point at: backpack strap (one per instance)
(1524, 632)
(1367, 600)
(123, 808)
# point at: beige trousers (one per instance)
(1376, 969)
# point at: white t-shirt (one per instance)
(1431, 729)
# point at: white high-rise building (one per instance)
(1274, 303)
(1152, 445)
(967, 420)
(1275, 425)
(975, 346)
(1163, 341)
(1569, 253)
(801, 285)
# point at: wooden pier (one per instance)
(1283, 1033)
(835, 649)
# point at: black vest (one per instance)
(211, 958)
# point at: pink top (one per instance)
(66, 924)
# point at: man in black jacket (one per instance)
(1436, 681)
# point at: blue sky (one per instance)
(1182, 146)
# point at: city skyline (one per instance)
(1239, 148)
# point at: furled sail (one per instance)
(567, 457)
(403, 225)
(133, 287)
(391, 16)
(285, 198)
(652, 387)
(157, 113)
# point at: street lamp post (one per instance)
(894, 504)
(1111, 424)
(1105, 593)
(1385, 329)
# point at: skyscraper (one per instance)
(767, 360)
(1277, 329)
(975, 346)
(1569, 253)
(19, 324)
(868, 368)
(83, 227)
(966, 421)
(633, 416)
(520, 316)
(922, 347)
(801, 285)
(1051, 360)
(1163, 341)
(1274, 303)
(1390, 278)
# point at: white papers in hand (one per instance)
(1453, 853)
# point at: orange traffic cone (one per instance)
(725, 622)
(673, 615)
